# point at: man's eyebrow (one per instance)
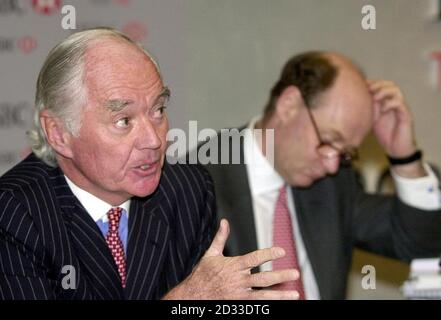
(164, 93)
(116, 105)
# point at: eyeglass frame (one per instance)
(346, 156)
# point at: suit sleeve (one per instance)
(387, 226)
(22, 272)
(208, 220)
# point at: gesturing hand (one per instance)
(220, 277)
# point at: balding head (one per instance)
(312, 73)
(348, 102)
(321, 99)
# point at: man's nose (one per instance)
(147, 136)
(330, 158)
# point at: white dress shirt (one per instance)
(94, 206)
(265, 183)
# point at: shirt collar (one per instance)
(96, 207)
(263, 177)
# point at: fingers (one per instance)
(393, 105)
(382, 89)
(218, 244)
(270, 278)
(219, 277)
(377, 111)
(375, 85)
(274, 295)
(258, 257)
(390, 104)
(387, 97)
(387, 93)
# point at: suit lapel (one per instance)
(244, 239)
(317, 232)
(234, 201)
(99, 270)
(148, 241)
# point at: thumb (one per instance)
(218, 244)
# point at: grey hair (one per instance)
(61, 89)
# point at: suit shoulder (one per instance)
(186, 175)
(22, 189)
(187, 190)
(27, 177)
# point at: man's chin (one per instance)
(303, 181)
(145, 187)
(305, 184)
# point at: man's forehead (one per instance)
(119, 70)
(118, 57)
(108, 47)
(118, 75)
(346, 111)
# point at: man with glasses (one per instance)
(308, 201)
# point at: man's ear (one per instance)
(289, 103)
(56, 133)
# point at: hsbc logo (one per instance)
(25, 44)
(7, 44)
(15, 115)
(43, 7)
(46, 7)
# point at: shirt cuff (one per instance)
(422, 193)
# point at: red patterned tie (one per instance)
(115, 244)
(283, 237)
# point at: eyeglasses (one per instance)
(346, 156)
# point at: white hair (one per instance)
(61, 88)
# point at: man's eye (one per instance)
(122, 123)
(159, 112)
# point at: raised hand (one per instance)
(220, 277)
(393, 126)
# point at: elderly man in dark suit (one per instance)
(95, 212)
(293, 185)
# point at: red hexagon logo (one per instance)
(46, 7)
(27, 44)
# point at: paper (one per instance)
(424, 280)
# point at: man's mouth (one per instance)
(145, 166)
(146, 169)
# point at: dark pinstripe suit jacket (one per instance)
(43, 227)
